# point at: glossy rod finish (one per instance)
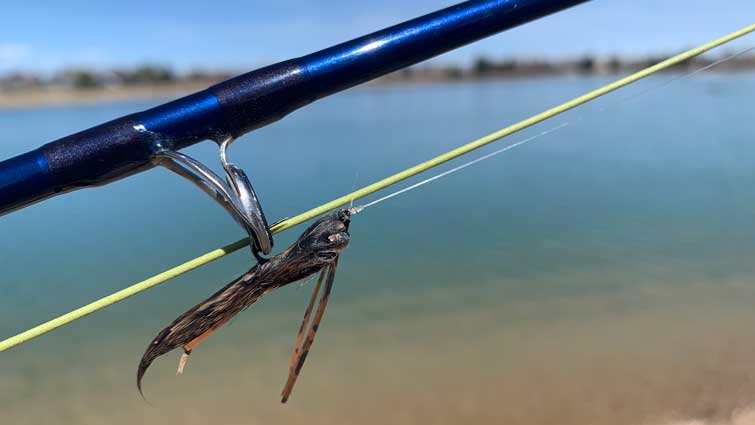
(129, 144)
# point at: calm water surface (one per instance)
(600, 274)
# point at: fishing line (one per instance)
(621, 101)
(360, 208)
(218, 253)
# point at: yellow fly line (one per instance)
(365, 191)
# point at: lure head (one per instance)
(325, 238)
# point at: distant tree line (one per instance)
(86, 79)
(586, 64)
(486, 67)
(482, 67)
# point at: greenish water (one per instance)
(599, 274)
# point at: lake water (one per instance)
(601, 274)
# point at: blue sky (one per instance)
(236, 35)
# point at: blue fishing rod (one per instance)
(223, 112)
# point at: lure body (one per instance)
(316, 250)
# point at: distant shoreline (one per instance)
(37, 95)
(64, 96)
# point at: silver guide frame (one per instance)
(235, 194)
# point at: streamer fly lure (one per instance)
(316, 250)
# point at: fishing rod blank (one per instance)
(132, 143)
